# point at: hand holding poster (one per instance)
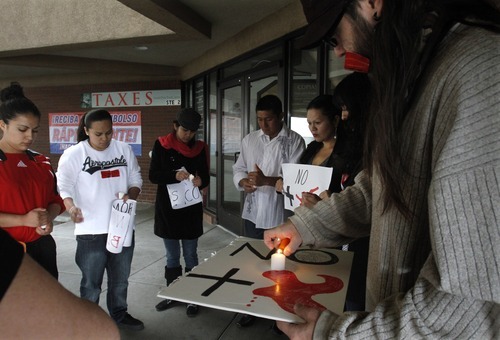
(298, 178)
(183, 194)
(121, 225)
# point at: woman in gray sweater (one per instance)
(430, 195)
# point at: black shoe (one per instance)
(192, 310)
(129, 322)
(165, 304)
(245, 321)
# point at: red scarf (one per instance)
(171, 142)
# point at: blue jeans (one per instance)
(92, 258)
(189, 248)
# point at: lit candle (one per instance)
(278, 261)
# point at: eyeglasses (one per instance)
(331, 41)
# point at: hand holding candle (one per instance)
(278, 258)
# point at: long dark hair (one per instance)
(87, 119)
(395, 71)
(353, 92)
(14, 103)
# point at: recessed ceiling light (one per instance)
(141, 48)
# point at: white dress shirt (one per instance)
(265, 206)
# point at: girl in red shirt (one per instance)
(29, 200)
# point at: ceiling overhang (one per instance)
(173, 15)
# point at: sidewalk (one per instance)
(146, 279)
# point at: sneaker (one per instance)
(129, 322)
(191, 310)
(245, 321)
(165, 304)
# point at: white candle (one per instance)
(278, 261)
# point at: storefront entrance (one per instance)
(237, 118)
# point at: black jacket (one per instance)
(185, 223)
(347, 166)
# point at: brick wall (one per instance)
(156, 121)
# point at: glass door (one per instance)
(238, 118)
(228, 213)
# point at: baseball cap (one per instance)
(323, 17)
(189, 119)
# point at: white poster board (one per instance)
(121, 225)
(239, 278)
(183, 194)
(298, 178)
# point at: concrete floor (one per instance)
(147, 279)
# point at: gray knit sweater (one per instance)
(437, 275)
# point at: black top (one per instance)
(344, 168)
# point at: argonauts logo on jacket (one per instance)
(92, 166)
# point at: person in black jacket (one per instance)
(337, 124)
(177, 157)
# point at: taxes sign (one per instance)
(136, 98)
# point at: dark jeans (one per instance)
(189, 248)
(43, 251)
(93, 258)
(252, 232)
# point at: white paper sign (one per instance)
(183, 194)
(121, 225)
(298, 178)
(239, 278)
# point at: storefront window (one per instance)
(212, 140)
(199, 105)
(335, 71)
(303, 88)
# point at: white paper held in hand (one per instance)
(121, 225)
